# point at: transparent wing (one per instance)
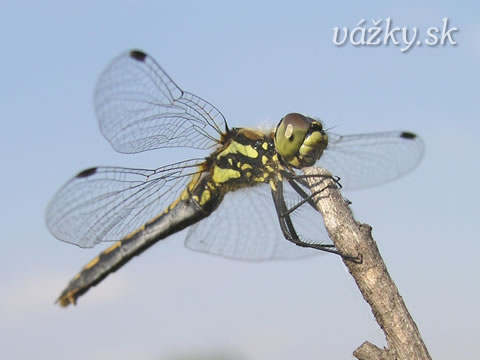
(107, 203)
(245, 226)
(140, 108)
(365, 160)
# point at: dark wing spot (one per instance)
(138, 55)
(87, 172)
(408, 135)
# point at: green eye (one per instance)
(290, 133)
(300, 140)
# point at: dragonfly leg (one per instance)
(288, 228)
(296, 181)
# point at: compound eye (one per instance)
(290, 134)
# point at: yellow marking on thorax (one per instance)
(249, 151)
(236, 148)
(265, 146)
(222, 175)
(264, 159)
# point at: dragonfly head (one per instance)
(300, 140)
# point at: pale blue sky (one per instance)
(255, 62)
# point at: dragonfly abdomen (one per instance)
(183, 214)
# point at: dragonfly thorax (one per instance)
(247, 157)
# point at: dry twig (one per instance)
(371, 275)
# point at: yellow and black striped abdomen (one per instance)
(247, 158)
(185, 213)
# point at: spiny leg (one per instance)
(288, 228)
(296, 180)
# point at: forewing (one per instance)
(107, 203)
(365, 160)
(140, 108)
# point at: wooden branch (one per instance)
(371, 275)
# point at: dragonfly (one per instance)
(236, 200)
